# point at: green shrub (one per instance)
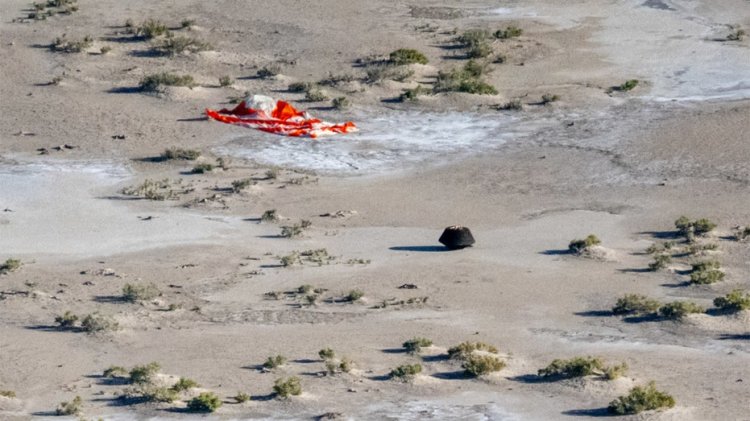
(508, 32)
(405, 372)
(678, 309)
(387, 72)
(574, 367)
(205, 402)
(577, 246)
(8, 393)
(182, 154)
(479, 365)
(354, 295)
(187, 23)
(462, 80)
(64, 45)
(269, 216)
(404, 56)
(634, 304)
(615, 371)
(475, 43)
(628, 85)
(202, 168)
(10, 265)
(292, 231)
(300, 86)
(73, 407)
(151, 393)
(96, 322)
(115, 371)
(184, 384)
(735, 301)
(737, 34)
(661, 261)
(151, 29)
(241, 397)
(326, 354)
(140, 292)
(706, 272)
(475, 68)
(641, 398)
(315, 95)
(290, 259)
(274, 362)
(153, 82)
(269, 71)
(288, 387)
(341, 103)
(144, 374)
(413, 94)
(172, 46)
(466, 349)
(415, 345)
(66, 321)
(687, 227)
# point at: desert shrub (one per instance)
(660, 262)
(509, 32)
(549, 98)
(634, 304)
(628, 85)
(706, 272)
(115, 371)
(354, 295)
(688, 228)
(345, 365)
(179, 153)
(64, 45)
(696, 249)
(415, 345)
(151, 29)
(319, 256)
(7, 393)
(405, 372)
(269, 71)
(144, 374)
(577, 246)
(105, 49)
(413, 94)
(335, 80)
(676, 310)
(225, 81)
(475, 42)
(290, 259)
(202, 168)
(96, 322)
(205, 402)
(341, 103)
(274, 362)
(466, 349)
(73, 407)
(184, 384)
(380, 72)
(239, 185)
(153, 82)
(151, 190)
(315, 95)
(463, 80)
(326, 354)
(300, 86)
(295, 230)
(514, 104)
(241, 397)
(187, 23)
(269, 216)
(615, 371)
(288, 387)
(641, 398)
(475, 68)
(151, 393)
(574, 367)
(172, 46)
(139, 292)
(407, 56)
(10, 265)
(737, 34)
(479, 365)
(742, 233)
(735, 301)
(66, 321)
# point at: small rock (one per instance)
(456, 237)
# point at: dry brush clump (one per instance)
(285, 388)
(677, 310)
(692, 228)
(706, 272)
(641, 398)
(735, 301)
(635, 305)
(466, 79)
(415, 345)
(582, 367)
(205, 402)
(274, 362)
(64, 45)
(479, 365)
(404, 56)
(10, 265)
(154, 82)
(406, 372)
(74, 407)
(174, 45)
(139, 292)
(579, 246)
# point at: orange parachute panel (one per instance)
(279, 117)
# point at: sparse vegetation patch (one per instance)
(641, 398)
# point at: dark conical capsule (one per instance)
(456, 237)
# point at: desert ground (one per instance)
(189, 268)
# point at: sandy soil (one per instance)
(622, 165)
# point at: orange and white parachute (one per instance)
(263, 113)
